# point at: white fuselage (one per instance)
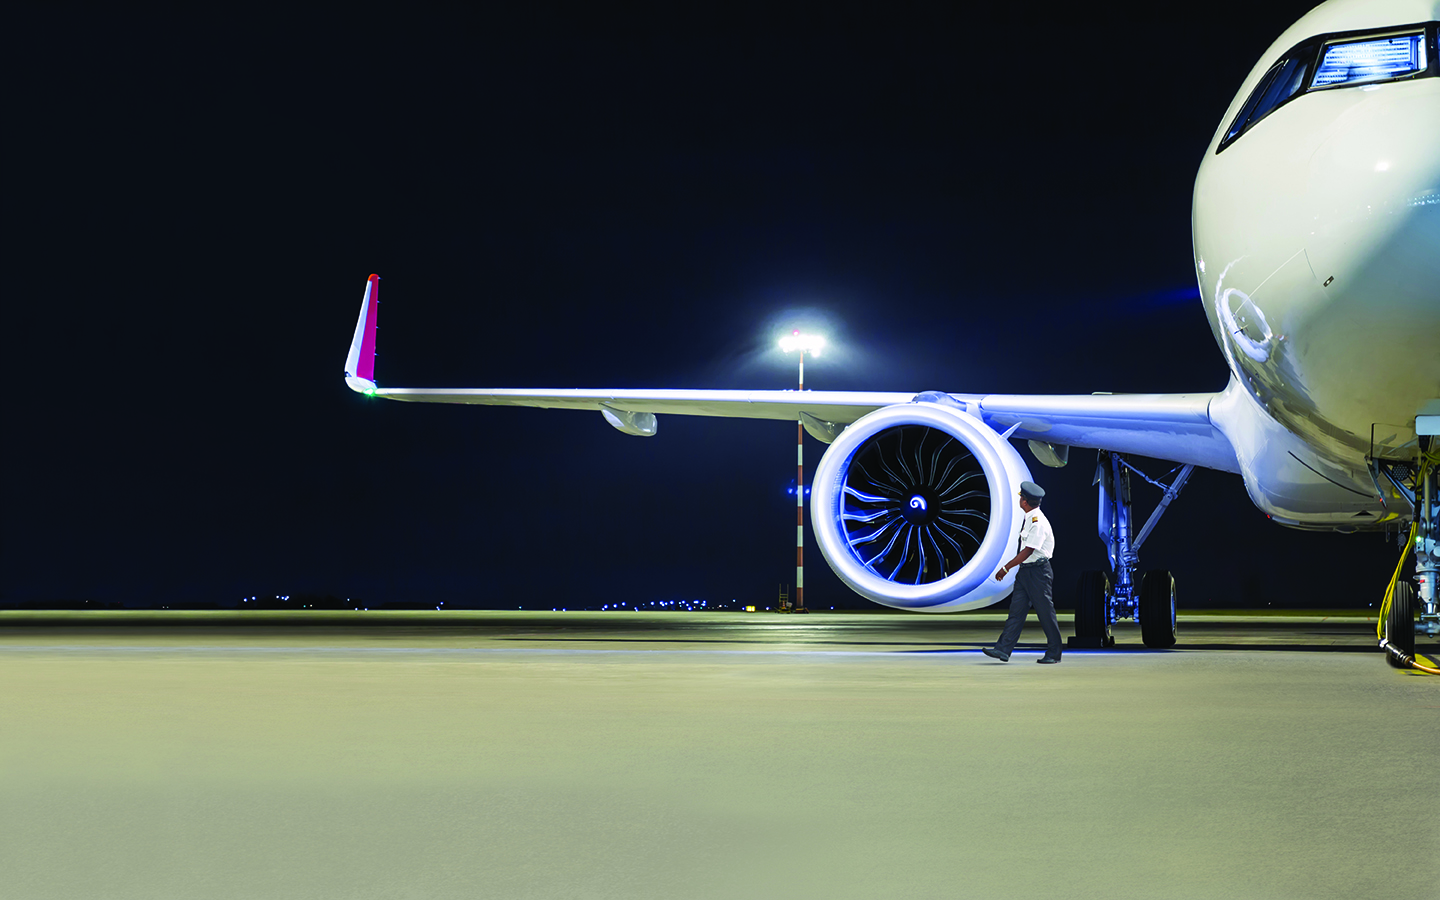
(1317, 249)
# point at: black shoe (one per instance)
(994, 654)
(1048, 659)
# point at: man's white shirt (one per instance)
(1035, 532)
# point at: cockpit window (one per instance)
(1337, 61)
(1283, 81)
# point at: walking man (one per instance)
(1033, 583)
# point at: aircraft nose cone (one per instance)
(1373, 191)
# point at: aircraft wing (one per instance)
(840, 407)
(1176, 427)
(1165, 426)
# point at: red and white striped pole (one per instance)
(802, 342)
(800, 500)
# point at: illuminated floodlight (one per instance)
(805, 343)
(1371, 60)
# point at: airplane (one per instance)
(1316, 229)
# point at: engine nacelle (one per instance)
(914, 506)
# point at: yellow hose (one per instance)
(1394, 580)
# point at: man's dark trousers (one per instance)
(1033, 585)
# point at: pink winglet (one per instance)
(366, 362)
(360, 363)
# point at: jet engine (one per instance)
(914, 506)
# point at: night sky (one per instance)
(194, 202)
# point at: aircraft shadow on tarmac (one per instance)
(1316, 633)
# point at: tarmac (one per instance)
(706, 755)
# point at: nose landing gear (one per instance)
(1122, 593)
(1398, 624)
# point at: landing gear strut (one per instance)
(1427, 549)
(1124, 594)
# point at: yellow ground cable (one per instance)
(1394, 580)
(1405, 660)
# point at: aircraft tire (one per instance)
(1157, 609)
(1400, 622)
(1090, 606)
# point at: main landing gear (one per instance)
(1416, 483)
(1122, 592)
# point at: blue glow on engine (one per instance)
(1371, 60)
(907, 495)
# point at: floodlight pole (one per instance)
(797, 341)
(800, 499)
